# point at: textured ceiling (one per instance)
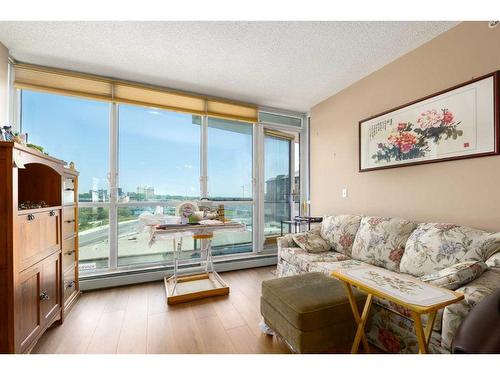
(291, 65)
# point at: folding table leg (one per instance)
(360, 321)
(423, 337)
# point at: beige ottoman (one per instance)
(310, 312)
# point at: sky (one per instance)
(156, 148)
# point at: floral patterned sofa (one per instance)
(448, 255)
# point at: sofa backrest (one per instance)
(339, 231)
(381, 241)
(435, 246)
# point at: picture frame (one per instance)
(460, 122)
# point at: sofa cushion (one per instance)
(457, 275)
(339, 231)
(381, 241)
(311, 242)
(303, 259)
(494, 260)
(435, 246)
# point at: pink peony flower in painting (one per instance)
(429, 119)
(404, 141)
(447, 117)
(409, 141)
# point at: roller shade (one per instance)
(231, 111)
(39, 79)
(131, 94)
(56, 81)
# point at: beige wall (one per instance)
(4, 84)
(464, 191)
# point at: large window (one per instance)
(230, 160)
(159, 154)
(73, 130)
(159, 166)
(154, 159)
(77, 130)
(230, 180)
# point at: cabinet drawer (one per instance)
(39, 236)
(69, 190)
(69, 221)
(70, 284)
(68, 252)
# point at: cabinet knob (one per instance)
(69, 221)
(30, 217)
(70, 285)
(69, 252)
(52, 213)
(44, 296)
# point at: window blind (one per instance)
(37, 78)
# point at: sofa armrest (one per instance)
(474, 292)
(285, 242)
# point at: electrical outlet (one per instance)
(344, 193)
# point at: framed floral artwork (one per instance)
(457, 123)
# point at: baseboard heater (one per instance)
(143, 275)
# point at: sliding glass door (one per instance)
(281, 185)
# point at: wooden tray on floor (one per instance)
(193, 287)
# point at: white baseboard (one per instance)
(144, 276)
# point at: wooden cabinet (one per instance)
(71, 289)
(38, 246)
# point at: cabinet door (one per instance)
(39, 236)
(50, 295)
(27, 307)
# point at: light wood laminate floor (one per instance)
(137, 319)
